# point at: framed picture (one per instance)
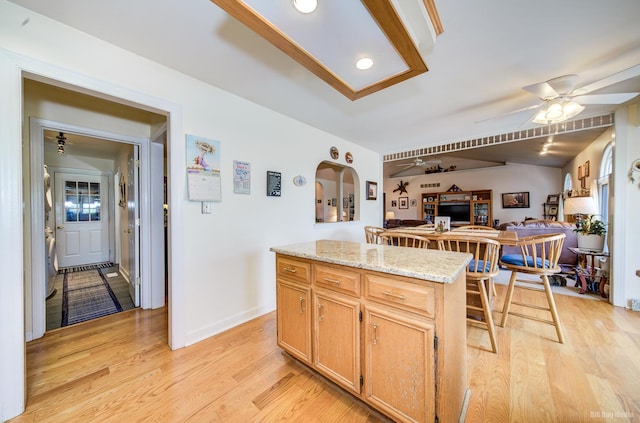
(442, 223)
(274, 183)
(580, 172)
(553, 199)
(414, 202)
(515, 200)
(404, 202)
(372, 190)
(553, 210)
(394, 203)
(587, 167)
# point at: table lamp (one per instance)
(579, 207)
(388, 216)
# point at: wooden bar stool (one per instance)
(480, 273)
(539, 255)
(403, 239)
(371, 234)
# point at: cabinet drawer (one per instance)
(293, 269)
(399, 293)
(337, 279)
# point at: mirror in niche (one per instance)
(336, 197)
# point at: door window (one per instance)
(82, 201)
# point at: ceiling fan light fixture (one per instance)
(558, 111)
(305, 6)
(364, 63)
(61, 141)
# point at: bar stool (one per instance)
(539, 255)
(480, 273)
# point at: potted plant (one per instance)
(591, 234)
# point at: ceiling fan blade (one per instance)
(629, 73)
(513, 112)
(617, 98)
(563, 85)
(542, 90)
(402, 171)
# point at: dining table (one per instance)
(503, 237)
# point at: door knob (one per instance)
(59, 227)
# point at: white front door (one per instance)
(133, 227)
(82, 219)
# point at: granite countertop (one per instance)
(418, 263)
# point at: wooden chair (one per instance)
(538, 255)
(480, 273)
(403, 239)
(474, 227)
(371, 234)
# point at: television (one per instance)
(459, 212)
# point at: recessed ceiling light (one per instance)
(305, 6)
(364, 63)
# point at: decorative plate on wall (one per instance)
(334, 153)
(348, 157)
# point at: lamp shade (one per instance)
(580, 205)
(389, 215)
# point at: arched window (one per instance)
(568, 186)
(606, 168)
(336, 193)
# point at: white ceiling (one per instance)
(488, 51)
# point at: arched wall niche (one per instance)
(337, 193)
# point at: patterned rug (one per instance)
(87, 295)
(85, 267)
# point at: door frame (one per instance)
(37, 127)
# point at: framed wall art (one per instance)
(515, 200)
(372, 190)
(403, 202)
(274, 183)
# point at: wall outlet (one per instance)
(206, 207)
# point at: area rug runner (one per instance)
(86, 267)
(87, 295)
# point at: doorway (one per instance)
(97, 148)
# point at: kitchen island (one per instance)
(385, 323)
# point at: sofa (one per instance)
(404, 223)
(546, 227)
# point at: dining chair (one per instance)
(474, 228)
(404, 239)
(481, 270)
(539, 255)
(372, 233)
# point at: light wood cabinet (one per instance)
(464, 207)
(381, 337)
(399, 364)
(293, 305)
(336, 338)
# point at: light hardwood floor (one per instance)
(119, 368)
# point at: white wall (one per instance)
(222, 269)
(593, 154)
(539, 181)
(626, 203)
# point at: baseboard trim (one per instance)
(228, 323)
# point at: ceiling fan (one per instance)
(562, 102)
(417, 162)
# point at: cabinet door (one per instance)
(336, 344)
(399, 373)
(293, 319)
(482, 213)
